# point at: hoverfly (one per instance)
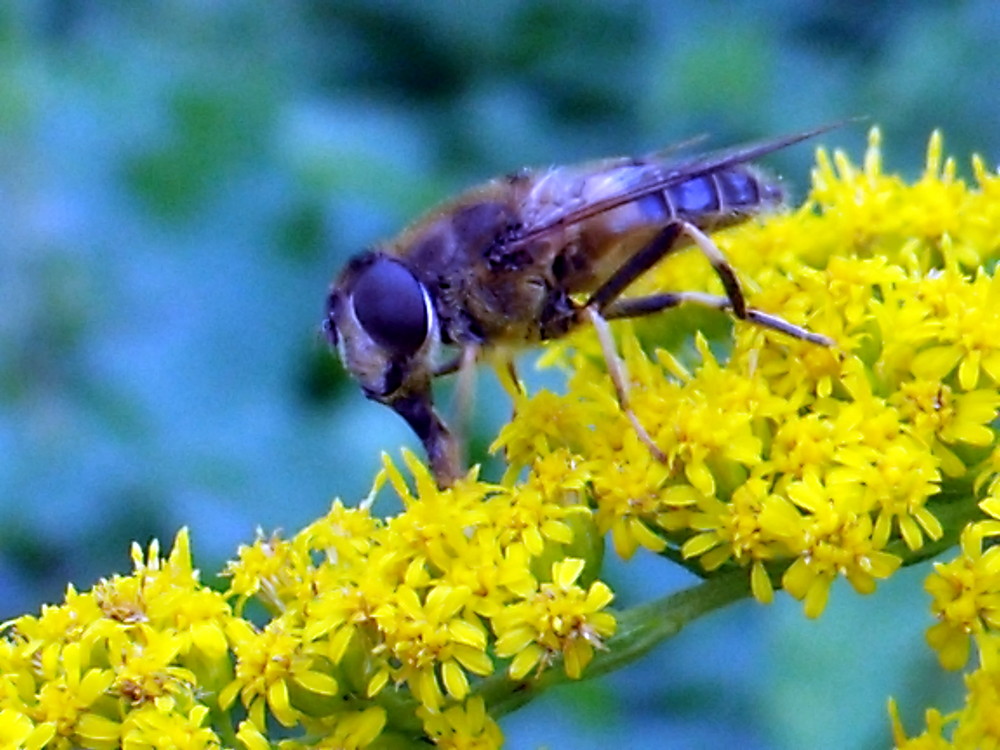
(530, 257)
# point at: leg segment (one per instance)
(616, 369)
(506, 370)
(465, 395)
(638, 306)
(604, 304)
(725, 271)
(443, 452)
(662, 245)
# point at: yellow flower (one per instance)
(265, 569)
(932, 739)
(536, 515)
(630, 493)
(829, 538)
(18, 732)
(544, 423)
(946, 420)
(344, 730)
(270, 665)
(560, 619)
(965, 598)
(795, 462)
(65, 703)
(896, 482)
(734, 531)
(434, 641)
(466, 727)
(160, 725)
(977, 723)
(969, 320)
(146, 665)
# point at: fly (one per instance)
(528, 258)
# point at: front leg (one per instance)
(442, 449)
(448, 451)
(465, 397)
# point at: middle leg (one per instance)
(635, 307)
(604, 305)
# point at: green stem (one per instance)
(639, 630)
(222, 722)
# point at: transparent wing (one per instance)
(661, 178)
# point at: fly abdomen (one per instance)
(721, 196)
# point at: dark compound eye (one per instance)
(389, 303)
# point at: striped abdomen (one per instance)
(597, 246)
(720, 197)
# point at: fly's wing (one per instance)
(661, 179)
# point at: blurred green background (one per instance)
(179, 180)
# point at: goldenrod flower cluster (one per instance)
(375, 630)
(788, 465)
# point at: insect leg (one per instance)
(664, 243)
(654, 303)
(725, 271)
(440, 445)
(465, 392)
(616, 369)
(448, 367)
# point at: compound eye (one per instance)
(389, 303)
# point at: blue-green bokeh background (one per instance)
(179, 180)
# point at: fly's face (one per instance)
(382, 321)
